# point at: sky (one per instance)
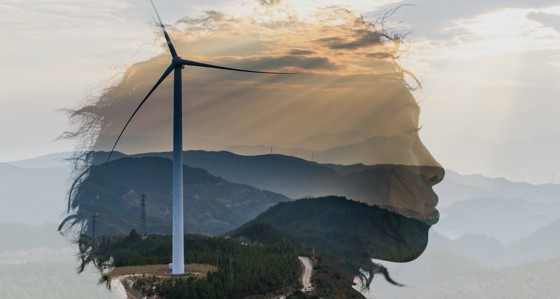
(489, 70)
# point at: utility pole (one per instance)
(143, 231)
(313, 256)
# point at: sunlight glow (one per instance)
(507, 30)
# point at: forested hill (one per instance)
(212, 205)
(331, 278)
(349, 231)
(261, 264)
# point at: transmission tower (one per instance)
(143, 231)
(93, 225)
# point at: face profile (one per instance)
(342, 135)
(406, 186)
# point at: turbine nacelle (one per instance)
(177, 61)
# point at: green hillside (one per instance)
(348, 233)
(212, 204)
(260, 262)
(349, 230)
(330, 278)
(242, 270)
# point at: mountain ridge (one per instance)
(212, 205)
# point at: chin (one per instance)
(406, 238)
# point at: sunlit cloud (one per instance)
(348, 84)
(509, 30)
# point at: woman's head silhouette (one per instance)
(350, 108)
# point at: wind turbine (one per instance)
(176, 66)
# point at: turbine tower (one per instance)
(143, 231)
(93, 240)
(176, 66)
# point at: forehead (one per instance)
(384, 100)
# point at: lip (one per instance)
(430, 218)
(430, 215)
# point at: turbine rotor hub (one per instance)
(177, 61)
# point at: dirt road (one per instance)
(306, 276)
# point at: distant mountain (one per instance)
(212, 204)
(464, 268)
(296, 177)
(474, 204)
(44, 161)
(307, 148)
(17, 236)
(256, 150)
(299, 178)
(481, 248)
(372, 151)
(541, 245)
(505, 219)
(355, 150)
(293, 177)
(325, 141)
(32, 195)
(528, 165)
(456, 187)
(536, 160)
(434, 266)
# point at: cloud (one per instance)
(298, 52)
(269, 2)
(308, 63)
(360, 39)
(546, 19)
(432, 18)
(337, 89)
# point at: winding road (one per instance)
(306, 276)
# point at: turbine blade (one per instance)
(165, 74)
(200, 64)
(169, 43)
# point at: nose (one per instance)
(432, 175)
